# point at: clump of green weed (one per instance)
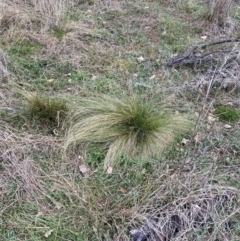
(25, 48)
(2, 113)
(227, 114)
(46, 110)
(124, 125)
(59, 32)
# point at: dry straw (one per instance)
(27, 14)
(217, 15)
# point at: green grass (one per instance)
(227, 114)
(25, 48)
(59, 32)
(2, 113)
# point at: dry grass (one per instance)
(17, 165)
(105, 205)
(203, 214)
(26, 15)
(4, 73)
(223, 71)
(218, 15)
(51, 11)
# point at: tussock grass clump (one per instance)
(124, 125)
(46, 110)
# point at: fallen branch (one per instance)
(190, 58)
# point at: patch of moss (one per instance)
(227, 114)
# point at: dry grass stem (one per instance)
(4, 73)
(17, 165)
(27, 14)
(200, 211)
(224, 73)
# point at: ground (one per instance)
(52, 53)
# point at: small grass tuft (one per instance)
(124, 125)
(59, 32)
(226, 114)
(46, 110)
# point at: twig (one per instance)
(220, 51)
(180, 58)
(205, 100)
(220, 42)
(185, 58)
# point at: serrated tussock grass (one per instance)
(124, 125)
(47, 110)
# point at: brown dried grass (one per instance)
(217, 15)
(4, 73)
(28, 15)
(200, 210)
(223, 74)
(16, 152)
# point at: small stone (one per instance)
(94, 77)
(185, 141)
(152, 77)
(109, 170)
(227, 126)
(140, 59)
(135, 76)
(211, 119)
(83, 169)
